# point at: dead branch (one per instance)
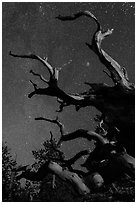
(44, 61)
(80, 133)
(52, 89)
(117, 73)
(55, 121)
(55, 148)
(40, 76)
(78, 100)
(76, 157)
(71, 161)
(94, 97)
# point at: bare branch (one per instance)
(81, 133)
(32, 56)
(77, 15)
(53, 90)
(55, 121)
(76, 157)
(107, 73)
(69, 162)
(34, 85)
(118, 73)
(40, 76)
(51, 138)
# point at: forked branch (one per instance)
(52, 89)
(80, 133)
(44, 61)
(55, 121)
(71, 161)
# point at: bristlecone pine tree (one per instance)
(114, 150)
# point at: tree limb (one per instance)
(69, 162)
(40, 76)
(43, 60)
(55, 121)
(118, 73)
(94, 97)
(52, 89)
(56, 169)
(80, 133)
(76, 157)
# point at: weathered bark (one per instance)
(71, 177)
(63, 173)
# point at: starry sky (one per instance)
(32, 28)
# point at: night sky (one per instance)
(32, 28)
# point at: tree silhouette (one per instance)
(11, 188)
(114, 137)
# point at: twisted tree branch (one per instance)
(118, 73)
(69, 162)
(55, 121)
(80, 133)
(40, 76)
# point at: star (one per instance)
(87, 64)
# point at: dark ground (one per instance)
(123, 191)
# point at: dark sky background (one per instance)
(32, 28)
